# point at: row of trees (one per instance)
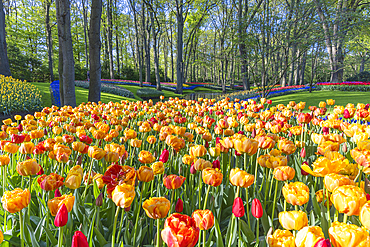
(259, 42)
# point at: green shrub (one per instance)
(108, 88)
(363, 76)
(148, 93)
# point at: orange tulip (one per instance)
(26, 148)
(286, 146)
(180, 231)
(348, 199)
(323, 166)
(173, 181)
(15, 200)
(111, 157)
(11, 148)
(204, 219)
(281, 238)
(365, 215)
(151, 139)
(271, 161)
(145, 174)
(135, 143)
(96, 152)
(78, 146)
(333, 181)
(74, 177)
(130, 133)
(55, 203)
(321, 198)
(201, 164)
(348, 235)
(241, 178)
(293, 220)
(187, 159)
(28, 167)
(4, 160)
(212, 176)
(157, 207)
(198, 151)
(50, 182)
(246, 145)
(158, 167)
(146, 157)
(284, 173)
(327, 146)
(99, 181)
(296, 193)
(265, 142)
(309, 236)
(123, 195)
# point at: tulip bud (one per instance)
(323, 243)
(79, 240)
(20, 128)
(325, 130)
(216, 164)
(344, 148)
(206, 145)
(303, 152)
(128, 208)
(99, 200)
(41, 171)
(238, 207)
(257, 210)
(367, 106)
(45, 132)
(254, 133)
(61, 218)
(179, 206)
(57, 193)
(192, 169)
(368, 197)
(164, 156)
(346, 113)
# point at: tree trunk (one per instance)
(362, 66)
(64, 22)
(4, 62)
(109, 32)
(85, 33)
(49, 41)
(138, 47)
(94, 50)
(172, 60)
(180, 48)
(60, 60)
(117, 46)
(303, 67)
(156, 59)
(294, 52)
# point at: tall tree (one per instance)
(110, 37)
(94, 50)
(4, 62)
(49, 38)
(65, 44)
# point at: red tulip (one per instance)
(216, 164)
(346, 113)
(257, 210)
(17, 138)
(254, 133)
(20, 128)
(164, 156)
(238, 207)
(304, 173)
(367, 106)
(79, 240)
(61, 218)
(41, 171)
(269, 101)
(368, 197)
(303, 152)
(323, 243)
(179, 206)
(192, 169)
(325, 130)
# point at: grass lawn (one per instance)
(81, 95)
(134, 89)
(314, 98)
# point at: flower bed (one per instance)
(221, 173)
(108, 89)
(18, 96)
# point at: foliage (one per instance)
(18, 96)
(362, 76)
(148, 93)
(106, 88)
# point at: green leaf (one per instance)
(33, 239)
(100, 237)
(51, 237)
(246, 232)
(96, 189)
(218, 234)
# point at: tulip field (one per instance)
(184, 173)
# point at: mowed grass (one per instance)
(81, 95)
(314, 98)
(134, 89)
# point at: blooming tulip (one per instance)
(50, 182)
(123, 195)
(348, 199)
(173, 181)
(204, 219)
(55, 203)
(296, 193)
(74, 178)
(348, 235)
(283, 173)
(158, 168)
(15, 200)
(281, 238)
(241, 178)
(212, 176)
(146, 157)
(293, 220)
(180, 231)
(333, 181)
(309, 236)
(157, 207)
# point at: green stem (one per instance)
(21, 226)
(88, 181)
(200, 189)
(247, 198)
(114, 227)
(4, 184)
(327, 206)
(199, 238)
(274, 203)
(231, 228)
(256, 170)
(138, 212)
(204, 238)
(205, 202)
(257, 231)
(29, 205)
(121, 227)
(60, 238)
(345, 218)
(158, 231)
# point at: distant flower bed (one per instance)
(349, 83)
(17, 96)
(108, 89)
(345, 86)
